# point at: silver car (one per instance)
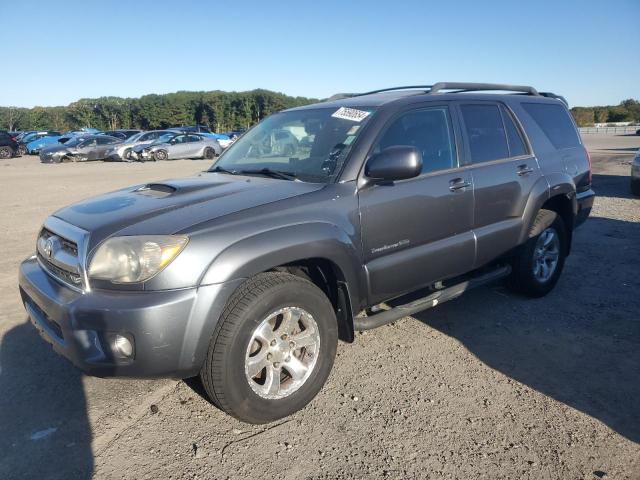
(635, 174)
(79, 149)
(122, 151)
(174, 146)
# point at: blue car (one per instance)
(34, 147)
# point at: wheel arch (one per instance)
(320, 252)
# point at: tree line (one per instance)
(222, 111)
(626, 111)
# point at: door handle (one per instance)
(524, 170)
(458, 184)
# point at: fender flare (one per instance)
(542, 192)
(263, 251)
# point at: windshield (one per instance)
(74, 141)
(135, 137)
(311, 145)
(164, 138)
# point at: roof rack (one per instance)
(459, 87)
(382, 90)
(476, 87)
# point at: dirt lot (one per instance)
(491, 385)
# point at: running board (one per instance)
(430, 301)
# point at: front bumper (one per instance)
(170, 328)
(584, 201)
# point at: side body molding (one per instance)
(283, 245)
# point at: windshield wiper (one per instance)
(219, 169)
(280, 174)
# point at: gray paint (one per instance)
(384, 240)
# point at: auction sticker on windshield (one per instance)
(350, 114)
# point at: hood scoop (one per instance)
(156, 190)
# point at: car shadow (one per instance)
(578, 345)
(44, 429)
(612, 186)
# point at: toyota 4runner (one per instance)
(320, 221)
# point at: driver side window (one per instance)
(428, 130)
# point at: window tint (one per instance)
(429, 131)
(106, 140)
(485, 132)
(554, 121)
(516, 143)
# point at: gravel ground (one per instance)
(491, 385)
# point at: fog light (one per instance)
(122, 346)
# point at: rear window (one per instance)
(485, 131)
(554, 121)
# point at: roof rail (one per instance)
(475, 87)
(410, 87)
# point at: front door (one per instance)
(418, 231)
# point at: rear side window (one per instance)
(554, 121)
(516, 143)
(485, 131)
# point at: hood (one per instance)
(173, 206)
(58, 147)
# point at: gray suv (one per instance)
(247, 274)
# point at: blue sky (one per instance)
(59, 52)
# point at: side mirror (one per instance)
(394, 163)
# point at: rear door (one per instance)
(104, 144)
(179, 147)
(417, 231)
(504, 173)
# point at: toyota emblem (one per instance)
(48, 248)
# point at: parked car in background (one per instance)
(74, 133)
(34, 147)
(234, 134)
(635, 174)
(79, 149)
(122, 151)
(192, 129)
(22, 143)
(123, 134)
(222, 139)
(8, 146)
(174, 146)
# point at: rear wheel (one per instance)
(272, 349)
(160, 155)
(22, 150)
(539, 262)
(5, 152)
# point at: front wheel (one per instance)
(538, 264)
(209, 153)
(160, 155)
(272, 349)
(22, 150)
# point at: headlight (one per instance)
(136, 258)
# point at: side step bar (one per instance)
(430, 301)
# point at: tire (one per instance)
(160, 155)
(237, 341)
(635, 186)
(126, 155)
(22, 150)
(209, 153)
(5, 152)
(529, 276)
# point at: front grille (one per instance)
(64, 275)
(66, 245)
(61, 259)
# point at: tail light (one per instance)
(590, 164)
